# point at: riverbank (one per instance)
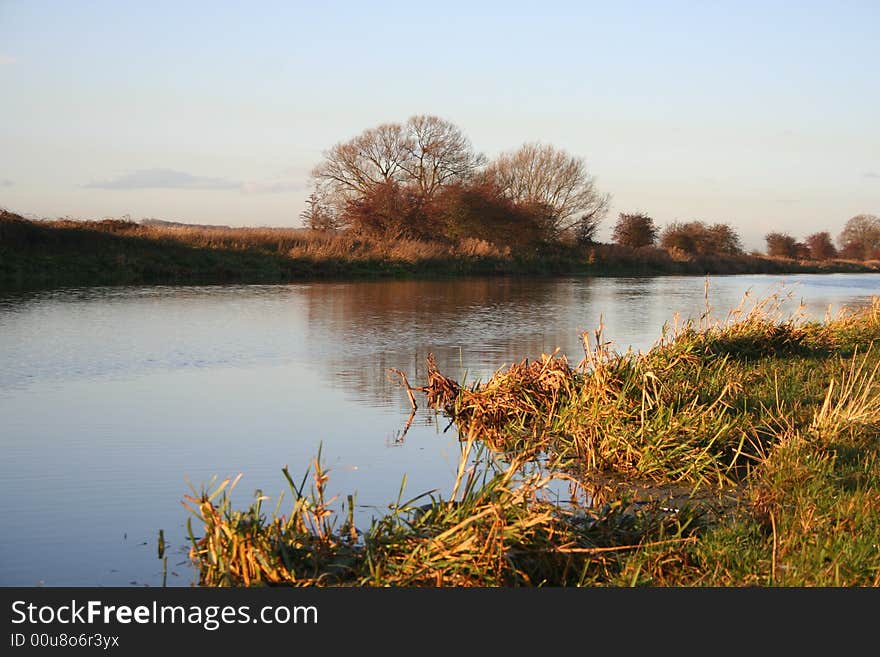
(740, 452)
(37, 254)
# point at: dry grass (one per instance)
(293, 242)
(65, 252)
(500, 527)
(683, 412)
(852, 400)
(791, 437)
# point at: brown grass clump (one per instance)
(520, 395)
(501, 526)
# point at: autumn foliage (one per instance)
(482, 211)
(635, 230)
(389, 210)
(458, 212)
(699, 238)
(422, 180)
(820, 246)
(783, 245)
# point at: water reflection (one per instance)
(363, 329)
(475, 326)
(351, 333)
(111, 398)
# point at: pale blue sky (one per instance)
(763, 114)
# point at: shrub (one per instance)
(820, 246)
(389, 210)
(481, 212)
(634, 230)
(781, 245)
(697, 238)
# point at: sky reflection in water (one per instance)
(113, 398)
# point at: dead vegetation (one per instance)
(705, 461)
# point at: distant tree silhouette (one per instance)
(781, 245)
(820, 246)
(634, 230)
(860, 237)
(723, 239)
(698, 238)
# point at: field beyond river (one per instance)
(36, 254)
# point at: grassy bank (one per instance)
(739, 452)
(113, 252)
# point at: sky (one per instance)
(763, 115)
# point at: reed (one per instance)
(501, 527)
(711, 459)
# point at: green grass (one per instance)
(734, 453)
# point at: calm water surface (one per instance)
(112, 400)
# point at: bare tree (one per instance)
(542, 176)
(425, 153)
(439, 154)
(374, 157)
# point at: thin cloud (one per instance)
(4, 182)
(871, 174)
(163, 179)
(7, 60)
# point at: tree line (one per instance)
(859, 239)
(422, 179)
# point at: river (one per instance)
(114, 400)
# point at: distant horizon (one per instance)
(758, 115)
